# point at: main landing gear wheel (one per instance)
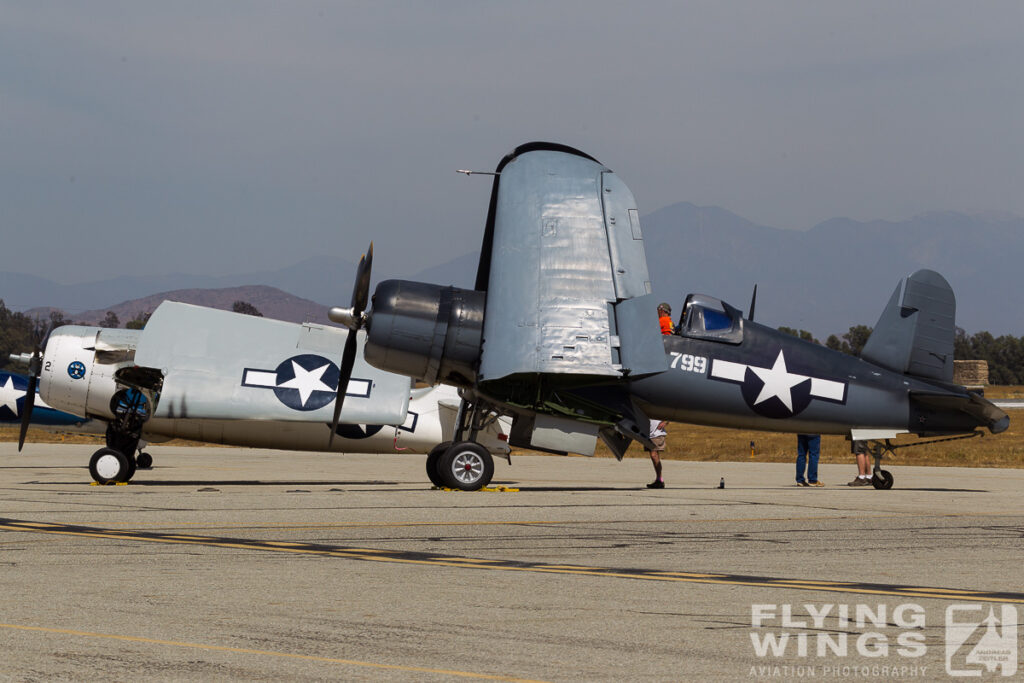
(107, 465)
(433, 460)
(882, 479)
(144, 461)
(466, 465)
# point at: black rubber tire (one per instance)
(433, 459)
(467, 466)
(107, 465)
(882, 479)
(132, 466)
(144, 461)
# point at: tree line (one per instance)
(20, 333)
(1004, 354)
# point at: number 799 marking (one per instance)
(688, 363)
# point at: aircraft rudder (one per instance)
(915, 333)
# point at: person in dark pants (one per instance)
(808, 449)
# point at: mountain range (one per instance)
(841, 272)
(837, 274)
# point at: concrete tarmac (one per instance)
(236, 564)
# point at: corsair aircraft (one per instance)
(561, 335)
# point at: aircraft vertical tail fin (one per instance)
(915, 332)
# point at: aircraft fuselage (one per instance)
(776, 382)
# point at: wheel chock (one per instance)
(488, 489)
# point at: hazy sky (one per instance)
(223, 137)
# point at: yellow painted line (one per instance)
(816, 583)
(474, 560)
(526, 522)
(564, 566)
(276, 544)
(469, 563)
(188, 538)
(267, 653)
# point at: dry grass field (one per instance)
(690, 442)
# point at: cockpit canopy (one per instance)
(705, 317)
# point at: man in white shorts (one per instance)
(658, 435)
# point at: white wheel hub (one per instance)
(108, 466)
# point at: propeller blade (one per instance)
(35, 367)
(348, 361)
(26, 410)
(753, 300)
(361, 291)
(353, 319)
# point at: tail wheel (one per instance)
(466, 465)
(107, 465)
(433, 460)
(882, 479)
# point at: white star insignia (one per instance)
(9, 395)
(307, 381)
(778, 382)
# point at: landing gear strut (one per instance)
(463, 463)
(881, 479)
(131, 406)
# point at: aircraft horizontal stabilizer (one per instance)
(914, 335)
(972, 409)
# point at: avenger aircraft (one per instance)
(221, 377)
(561, 335)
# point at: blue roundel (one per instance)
(76, 370)
(306, 382)
(348, 431)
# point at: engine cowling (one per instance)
(78, 369)
(425, 331)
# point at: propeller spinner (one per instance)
(354, 319)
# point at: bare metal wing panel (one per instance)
(566, 248)
(221, 365)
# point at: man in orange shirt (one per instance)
(658, 433)
(665, 318)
